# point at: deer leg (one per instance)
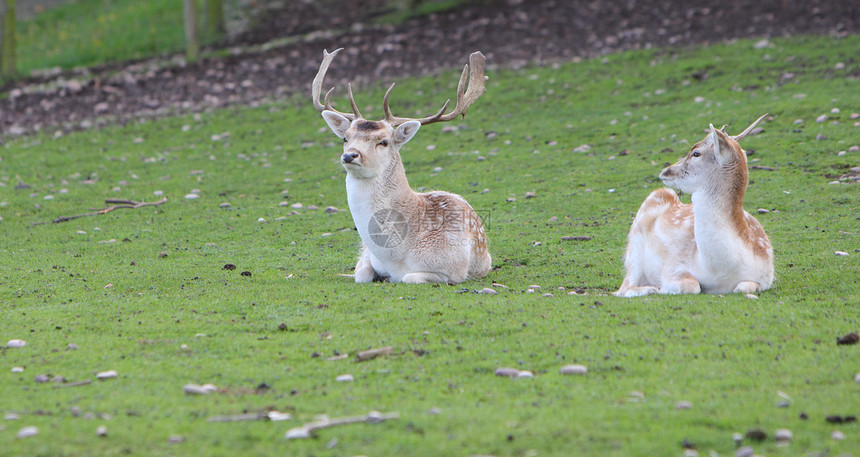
(423, 277)
(628, 291)
(681, 283)
(747, 287)
(363, 269)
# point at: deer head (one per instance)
(372, 147)
(712, 163)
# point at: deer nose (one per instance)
(348, 157)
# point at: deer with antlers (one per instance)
(711, 245)
(433, 237)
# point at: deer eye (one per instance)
(383, 143)
(697, 154)
(344, 139)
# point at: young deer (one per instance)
(711, 245)
(406, 236)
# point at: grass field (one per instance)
(144, 292)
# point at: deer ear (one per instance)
(405, 131)
(337, 123)
(722, 154)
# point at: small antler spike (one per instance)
(385, 108)
(352, 102)
(749, 129)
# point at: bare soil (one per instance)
(511, 33)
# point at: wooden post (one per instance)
(192, 41)
(7, 38)
(213, 14)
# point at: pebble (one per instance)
(437, 170)
(507, 372)
(16, 344)
(194, 389)
(574, 369)
(40, 378)
(761, 44)
(297, 206)
(534, 287)
(820, 137)
(110, 374)
(11, 416)
(525, 374)
(552, 219)
(530, 195)
(276, 416)
(224, 205)
(488, 291)
(841, 253)
(837, 435)
(835, 111)
(683, 405)
(27, 432)
(548, 295)
(284, 204)
(158, 193)
(297, 433)
(71, 347)
(344, 378)
(261, 220)
(746, 451)
(854, 148)
(21, 370)
(330, 210)
(176, 439)
(737, 437)
(191, 196)
(313, 207)
(699, 100)
(434, 410)
(821, 119)
(783, 434)
(762, 211)
(101, 431)
(691, 453)
(857, 377)
(854, 116)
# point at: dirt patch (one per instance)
(511, 33)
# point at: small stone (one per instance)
(507, 372)
(530, 291)
(110, 374)
(16, 344)
(276, 416)
(547, 295)
(297, 206)
(552, 219)
(854, 148)
(839, 66)
(530, 195)
(683, 405)
(691, 453)
(41, 378)
(834, 111)
(21, 370)
(737, 438)
(27, 432)
(225, 205)
(798, 121)
(191, 196)
(820, 137)
(525, 374)
(746, 451)
(762, 211)
(261, 219)
(488, 291)
(434, 410)
(344, 378)
(11, 417)
(783, 404)
(699, 100)
(574, 369)
(330, 210)
(101, 431)
(783, 434)
(194, 389)
(841, 253)
(437, 170)
(837, 435)
(313, 207)
(821, 119)
(761, 44)
(176, 439)
(534, 287)
(854, 116)
(71, 347)
(756, 434)
(857, 377)
(297, 433)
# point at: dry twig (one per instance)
(116, 204)
(306, 431)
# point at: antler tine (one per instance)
(465, 96)
(316, 88)
(352, 102)
(747, 131)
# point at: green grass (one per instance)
(130, 309)
(94, 32)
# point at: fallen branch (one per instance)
(74, 384)
(116, 204)
(373, 353)
(305, 431)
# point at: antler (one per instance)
(316, 89)
(746, 131)
(465, 97)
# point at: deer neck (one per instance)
(719, 219)
(388, 191)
